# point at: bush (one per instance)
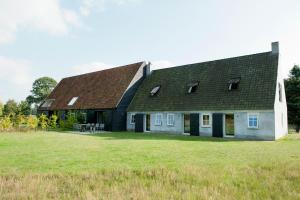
(6, 124)
(32, 122)
(43, 121)
(53, 121)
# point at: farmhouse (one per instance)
(102, 97)
(240, 97)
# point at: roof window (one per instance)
(233, 84)
(73, 100)
(47, 103)
(192, 87)
(155, 90)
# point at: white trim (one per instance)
(257, 118)
(209, 120)
(156, 123)
(173, 121)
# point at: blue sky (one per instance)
(60, 38)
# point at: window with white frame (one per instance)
(132, 118)
(253, 120)
(205, 120)
(170, 119)
(158, 119)
(72, 101)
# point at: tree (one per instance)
(11, 108)
(41, 88)
(292, 87)
(1, 108)
(24, 108)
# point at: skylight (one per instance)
(233, 84)
(47, 103)
(155, 90)
(73, 100)
(192, 87)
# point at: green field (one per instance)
(54, 165)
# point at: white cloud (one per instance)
(160, 64)
(15, 78)
(91, 67)
(88, 5)
(41, 15)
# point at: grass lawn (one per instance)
(53, 165)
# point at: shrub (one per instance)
(53, 121)
(71, 120)
(6, 124)
(32, 122)
(43, 121)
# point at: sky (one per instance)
(60, 38)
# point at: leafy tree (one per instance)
(11, 108)
(292, 87)
(24, 108)
(41, 88)
(1, 108)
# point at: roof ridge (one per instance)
(89, 73)
(206, 62)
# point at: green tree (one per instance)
(41, 88)
(292, 87)
(24, 108)
(1, 109)
(11, 108)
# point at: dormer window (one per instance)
(192, 87)
(47, 103)
(73, 100)
(233, 84)
(155, 90)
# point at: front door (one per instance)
(229, 125)
(187, 123)
(217, 125)
(148, 122)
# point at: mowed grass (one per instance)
(53, 165)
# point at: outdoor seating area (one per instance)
(90, 127)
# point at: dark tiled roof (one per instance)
(97, 90)
(256, 90)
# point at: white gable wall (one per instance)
(280, 108)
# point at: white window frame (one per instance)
(168, 119)
(158, 123)
(72, 101)
(132, 116)
(209, 120)
(248, 120)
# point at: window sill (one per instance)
(170, 125)
(205, 126)
(253, 128)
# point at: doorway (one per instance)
(187, 123)
(229, 125)
(148, 122)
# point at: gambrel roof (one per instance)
(96, 90)
(255, 74)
